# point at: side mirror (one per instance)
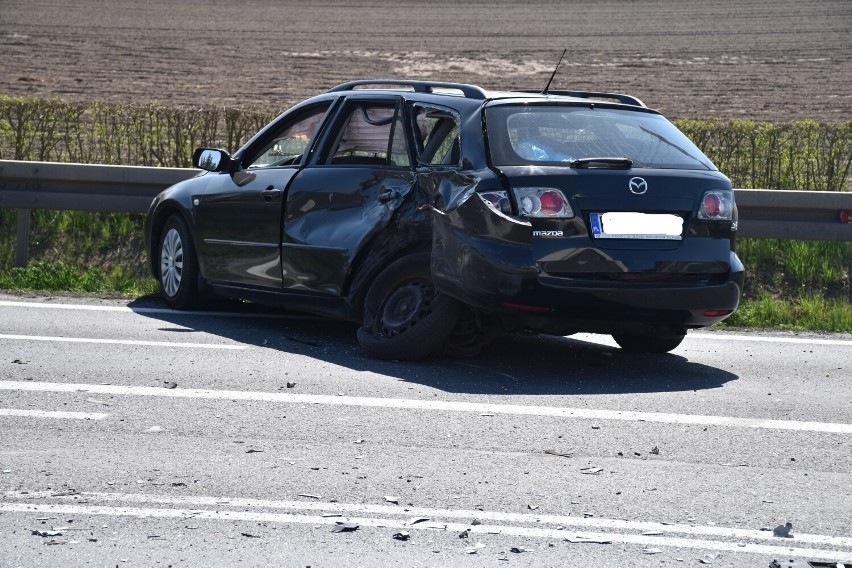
(211, 159)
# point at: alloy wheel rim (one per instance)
(171, 262)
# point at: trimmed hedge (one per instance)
(805, 154)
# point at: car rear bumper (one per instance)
(501, 276)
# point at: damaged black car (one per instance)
(441, 215)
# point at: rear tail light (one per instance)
(717, 205)
(542, 202)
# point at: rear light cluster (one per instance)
(532, 202)
(717, 205)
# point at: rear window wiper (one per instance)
(603, 163)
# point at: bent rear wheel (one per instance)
(405, 317)
(178, 267)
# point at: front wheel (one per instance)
(405, 317)
(636, 343)
(178, 267)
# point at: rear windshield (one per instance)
(554, 135)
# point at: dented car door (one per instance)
(346, 196)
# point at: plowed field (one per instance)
(761, 59)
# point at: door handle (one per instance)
(270, 193)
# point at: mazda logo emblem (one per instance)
(638, 186)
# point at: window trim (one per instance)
(415, 143)
(336, 126)
(277, 127)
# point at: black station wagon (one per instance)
(439, 215)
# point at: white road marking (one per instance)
(723, 336)
(768, 339)
(52, 414)
(432, 405)
(121, 342)
(140, 310)
(736, 543)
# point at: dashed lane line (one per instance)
(436, 405)
(28, 413)
(159, 311)
(121, 342)
(740, 544)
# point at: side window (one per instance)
(290, 143)
(436, 133)
(370, 134)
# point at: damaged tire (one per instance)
(636, 343)
(178, 267)
(405, 317)
(473, 332)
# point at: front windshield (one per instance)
(558, 135)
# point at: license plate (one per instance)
(622, 225)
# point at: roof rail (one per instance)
(469, 91)
(624, 99)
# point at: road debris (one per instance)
(345, 526)
(655, 451)
(415, 520)
(392, 499)
(532, 507)
(578, 539)
(291, 384)
(19, 362)
(37, 532)
(465, 533)
(591, 470)
(783, 531)
(566, 454)
(651, 551)
(437, 526)
(519, 549)
(402, 535)
(249, 535)
(253, 451)
(309, 495)
(651, 533)
(169, 384)
(302, 341)
(359, 441)
(474, 549)
(96, 401)
(153, 430)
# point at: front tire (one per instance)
(636, 343)
(405, 317)
(178, 267)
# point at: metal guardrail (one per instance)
(764, 213)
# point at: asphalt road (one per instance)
(541, 452)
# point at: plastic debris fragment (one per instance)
(345, 526)
(587, 539)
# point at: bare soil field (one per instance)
(762, 59)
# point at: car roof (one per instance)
(474, 92)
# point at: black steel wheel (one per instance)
(636, 343)
(405, 317)
(178, 267)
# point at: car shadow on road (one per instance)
(515, 364)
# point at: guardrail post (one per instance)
(22, 243)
